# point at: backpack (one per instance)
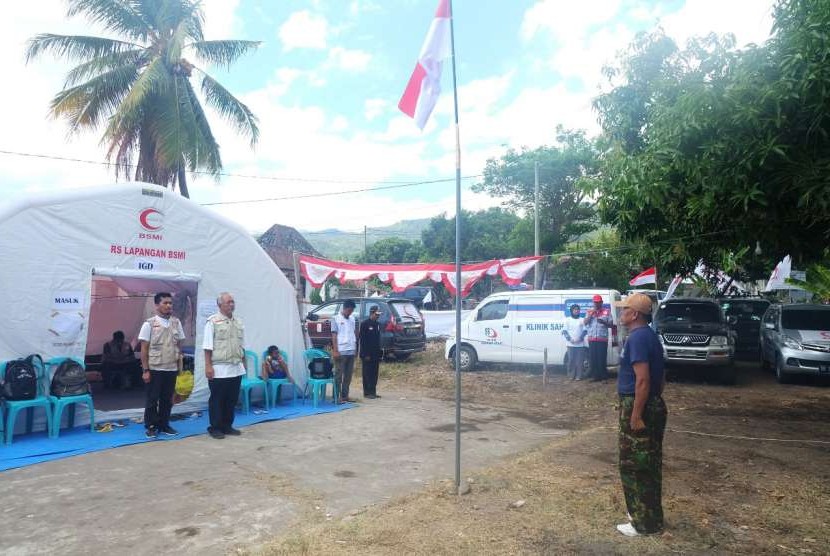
(69, 379)
(320, 368)
(20, 379)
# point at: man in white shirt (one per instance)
(225, 365)
(344, 348)
(161, 339)
(574, 333)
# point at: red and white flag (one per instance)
(676, 281)
(645, 277)
(424, 85)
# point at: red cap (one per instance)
(597, 299)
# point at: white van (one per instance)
(516, 327)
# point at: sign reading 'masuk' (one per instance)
(74, 300)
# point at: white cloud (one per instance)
(304, 29)
(349, 60)
(374, 107)
(566, 20)
(748, 20)
(221, 21)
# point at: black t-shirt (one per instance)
(642, 345)
(370, 338)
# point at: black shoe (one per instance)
(215, 433)
(232, 431)
(169, 431)
(151, 432)
(377, 396)
(369, 396)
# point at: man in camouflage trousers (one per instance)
(642, 419)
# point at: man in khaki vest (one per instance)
(225, 365)
(161, 339)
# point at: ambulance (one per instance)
(517, 327)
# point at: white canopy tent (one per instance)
(102, 253)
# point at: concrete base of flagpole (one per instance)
(465, 488)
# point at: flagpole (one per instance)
(457, 263)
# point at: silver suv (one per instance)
(795, 339)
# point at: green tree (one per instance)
(139, 87)
(483, 236)
(817, 282)
(712, 149)
(599, 262)
(392, 250)
(564, 172)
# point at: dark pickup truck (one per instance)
(695, 333)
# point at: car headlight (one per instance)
(662, 341)
(790, 342)
(719, 341)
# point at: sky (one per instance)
(325, 86)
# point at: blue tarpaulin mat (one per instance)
(29, 449)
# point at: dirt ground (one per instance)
(746, 470)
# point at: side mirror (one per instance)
(769, 326)
(312, 317)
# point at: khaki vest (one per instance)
(228, 339)
(163, 352)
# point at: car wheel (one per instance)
(402, 356)
(764, 362)
(467, 357)
(780, 375)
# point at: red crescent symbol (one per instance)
(142, 218)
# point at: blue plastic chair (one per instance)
(13, 407)
(318, 386)
(250, 382)
(274, 384)
(61, 402)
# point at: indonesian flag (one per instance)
(645, 277)
(424, 85)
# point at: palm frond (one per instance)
(133, 109)
(175, 13)
(206, 148)
(118, 16)
(222, 53)
(231, 108)
(75, 47)
(87, 104)
(97, 66)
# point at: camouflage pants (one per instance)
(641, 464)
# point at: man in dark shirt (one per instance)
(370, 352)
(642, 419)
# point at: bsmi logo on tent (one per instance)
(151, 220)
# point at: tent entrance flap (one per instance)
(119, 306)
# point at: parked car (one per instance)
(745, 314)
(795, 339)
(402, 326)
(694, 332)
(417, 294)
(516, 327)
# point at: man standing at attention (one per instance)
(225, 365)
(343, 348)
(161, 339)
(642, 419)
(370, 352)
(598, 321)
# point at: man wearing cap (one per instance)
(370, 352)
(598, 320)
(642, 419)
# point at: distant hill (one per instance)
(336, 244)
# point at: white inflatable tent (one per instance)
(78, 265)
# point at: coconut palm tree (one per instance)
(140, 87)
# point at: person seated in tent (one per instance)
(119, 365)
(274, 366)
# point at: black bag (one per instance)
(69, 379)
(320, 368)
(20, 379)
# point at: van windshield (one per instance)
(805, 320)
(691, 313)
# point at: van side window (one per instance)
(495, 310)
